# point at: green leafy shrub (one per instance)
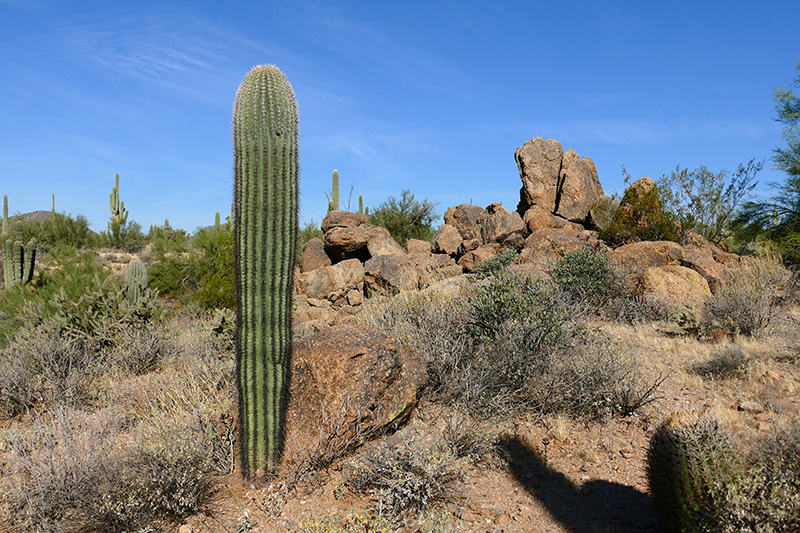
(497, 262)
(59, 230)
(406, 218)
(640, 217)
(588, 275)
(129, 239)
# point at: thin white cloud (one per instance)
(182, 54)
(651, 131)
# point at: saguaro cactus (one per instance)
(118, 213)
(333, 203)
(18, 260)
(265, 132)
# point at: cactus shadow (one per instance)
(593, 507)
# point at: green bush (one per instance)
(406, 218)
(640, 217)
(497, 262)
(59, 230)
(130, 239)
(588, 275)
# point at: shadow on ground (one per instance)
(594, 507)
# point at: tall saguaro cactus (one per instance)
(119, 215)
(265, 132)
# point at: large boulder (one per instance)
(446, 240)
(497, 223)
(544, 248)
(537, 218)
(343, 219)
(639, 256)
(539, 163)
(394, 273)
(672, 285)
(382, 243)
(332, 282)
(579, 187)
(464, 218)
(314, 256)
(473, 259)
(348, 383)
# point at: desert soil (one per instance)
(556, 474)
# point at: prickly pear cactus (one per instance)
(265, 132)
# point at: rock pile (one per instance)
(561, 207)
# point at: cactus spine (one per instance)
(18, 260)
(135, 280)
(119, 215)
(689, 464)
(333, 203)
(265, 132)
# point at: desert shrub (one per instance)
(497, 262)
(588, 275)
(750, 297)
(60, 229)
(72, 474)
(640, 217)
(515, 344)
(56, 369)
(131, 239)
(217, 283)
(142, 350)
(408, 480)
(726, 362)
(406, 218)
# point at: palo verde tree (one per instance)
(265, 132)
(705, 201)
(406, 218)
(778, 218)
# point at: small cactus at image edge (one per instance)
(18, 259)
(266, 163)
(690, 461)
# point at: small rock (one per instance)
(185, 528)
(764, 426)
(502, 519)
(762, 417)
(750, 406)
(785, 405)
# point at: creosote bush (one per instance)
(515, 344)
(750, 297)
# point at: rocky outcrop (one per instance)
(331, 282)
(349, 382)
(446, 240)
(639, 256)
(464, 218)
(561, 183)
(314, 256)
(497, 223)
(539, 163)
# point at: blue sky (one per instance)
(431, 96)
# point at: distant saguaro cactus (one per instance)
(119, 215)
(18, 260)
(333, 203)
(265, 133)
